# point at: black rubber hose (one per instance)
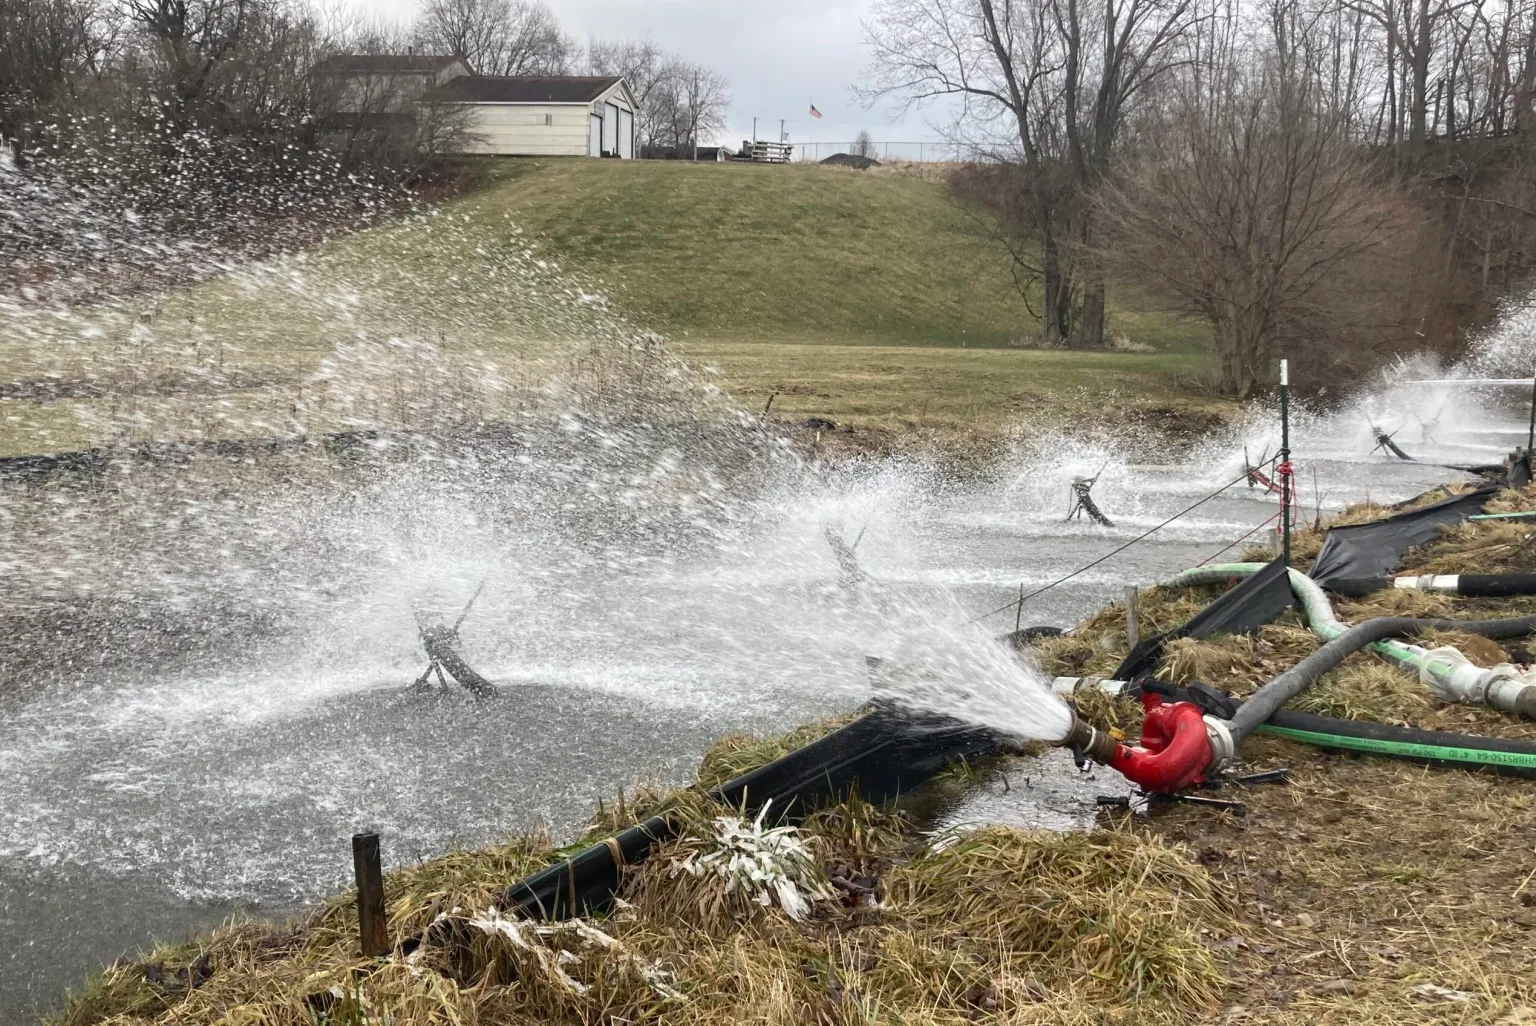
(1275, 695)
(1028, 634)
(1471, 585)
(1495, 585)
(1431, 747)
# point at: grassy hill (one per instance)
(869, 298)
(772, 254)
(801, 281)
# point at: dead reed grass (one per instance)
(996, 926)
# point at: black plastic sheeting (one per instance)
(1516, 475)
(1367, 551)
(1242, 610)
(882, 755)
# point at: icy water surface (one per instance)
(139, 801)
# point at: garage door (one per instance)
(610, 128)
(626, 134)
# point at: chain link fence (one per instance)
(923, 152)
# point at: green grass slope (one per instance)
(762, 253)
(782, 254)
(863, 285)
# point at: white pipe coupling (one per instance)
(1430, 582)
(1223, 748)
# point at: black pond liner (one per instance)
(1516, 475)
(882, 755)
(1371, 551)
(1242, 610)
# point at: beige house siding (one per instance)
(525, 129)
(547, 129)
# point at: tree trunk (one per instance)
(1419, 113)
(1056, 325)
(1240, 344)
(1229, 362)
(1090, 328)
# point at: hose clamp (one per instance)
(1223, 748)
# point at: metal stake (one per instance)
(1285, 455)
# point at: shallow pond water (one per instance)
(142, 804)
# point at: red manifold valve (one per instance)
(1179, 746)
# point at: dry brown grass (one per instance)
(735, 754)
(998, 925)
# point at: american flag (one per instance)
(815, 113)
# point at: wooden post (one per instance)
(1132, 618)
(369, 871)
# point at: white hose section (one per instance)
(1449, 674)
(1066, 687)
(1430, 582)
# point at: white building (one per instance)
(565, 116)
(374, 84)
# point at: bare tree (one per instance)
(1413, 29)
(864, 145)
(192, 38)
(48, 49)
(497, 37)
(642, 64)
(1063, 76)
(690, 105)
(1252, 210)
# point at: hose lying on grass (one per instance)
(1446, 671)
(1470, 585)
(1188, 736)
(1430, 747)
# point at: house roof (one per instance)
(524, 89)
(385, 63)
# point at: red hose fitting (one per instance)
(1175, 749)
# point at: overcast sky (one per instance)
(781, 56)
